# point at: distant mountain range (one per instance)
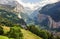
(16, 8)
(10, 11)
(49, 16)
(53, 11)
(11, 5)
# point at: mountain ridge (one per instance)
(53, 12)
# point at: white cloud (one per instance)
(34, 6)
(30, 5)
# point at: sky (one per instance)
(35, 4)
(31, 1)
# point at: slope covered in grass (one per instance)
(3, 37)
(28, 35)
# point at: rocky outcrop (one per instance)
(10, 10)
(11, 5)
(50, 15)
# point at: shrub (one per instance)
(42, 33)
(1, 31)
(15, 33)
(57, 37)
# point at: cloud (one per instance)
(30, 5)
(34, 6)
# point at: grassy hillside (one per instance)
(28, 35)
(3, 37)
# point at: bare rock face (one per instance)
(11, 5)
(50, 15)
(18, 7)
(45, 20)
(10, 9)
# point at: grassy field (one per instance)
(28, 35)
